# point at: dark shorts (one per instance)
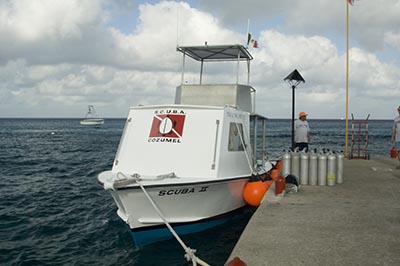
(301, 146)
(397, 145)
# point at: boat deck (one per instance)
(354, 223)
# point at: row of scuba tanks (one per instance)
(324, 167)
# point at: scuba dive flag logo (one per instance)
(167, 126)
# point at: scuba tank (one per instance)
(322, 169)
(303, 168)
(331, 170)
(295, 166)
(340, 160)
(286, 163)
(313, 168)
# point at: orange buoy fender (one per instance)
(276, 170)
(274, 173)
(268, 184)
(254, 192)
(393, 152)
(236, 262)
(279, 165)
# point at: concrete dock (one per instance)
(354, 223)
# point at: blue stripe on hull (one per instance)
(159, 233)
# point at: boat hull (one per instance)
(190, 207)
(153, 234)
(92, 122)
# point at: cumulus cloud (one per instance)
(56, 57)
(161, 28)
(50, 31)
(393, 39)
(369, 20)
(281, 51)
(323, 67)
(54, 60)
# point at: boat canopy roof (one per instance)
(234, 94)
(232, 52)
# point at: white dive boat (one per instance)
(91, 118)
(192, 158)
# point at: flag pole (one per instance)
(347, 81)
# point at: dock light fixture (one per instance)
(294, 79)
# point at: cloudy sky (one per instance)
(58, 56)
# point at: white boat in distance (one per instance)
(91, 118)
(192, 158)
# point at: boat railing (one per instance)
(257, 130)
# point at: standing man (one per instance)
(302, 132)
(396, 135)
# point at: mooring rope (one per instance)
(114, 183)
(189, 253)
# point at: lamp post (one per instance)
(294, 79)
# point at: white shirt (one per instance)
(301, 130)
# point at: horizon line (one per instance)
(341, 119)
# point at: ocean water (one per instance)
(53, 211)
(330, 134)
